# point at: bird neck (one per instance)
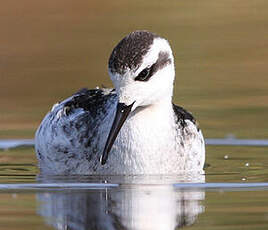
(160, 111)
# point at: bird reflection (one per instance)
(140, 205)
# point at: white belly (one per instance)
(148, 146)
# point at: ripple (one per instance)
(14, 143)
(99, 186)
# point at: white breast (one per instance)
(146, 143)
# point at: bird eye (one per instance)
(144, 75)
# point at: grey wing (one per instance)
(71, 137)
(191, 139)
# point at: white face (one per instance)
(159, 86)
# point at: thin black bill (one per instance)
(122, 112)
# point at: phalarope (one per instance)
(132, 129)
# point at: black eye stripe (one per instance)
(163, 60)
(147, 73)
(143, 75)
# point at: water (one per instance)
(7, 144)
(50, 49)
(140, 207)
(232, 195)
(153, 203)
(13, 143)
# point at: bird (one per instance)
(131, 129)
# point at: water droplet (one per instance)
(14, 195)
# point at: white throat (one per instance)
(146, 137)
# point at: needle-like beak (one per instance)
(122, 112)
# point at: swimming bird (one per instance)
(131, 129)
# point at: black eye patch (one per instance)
(144, 75)
(147, 73)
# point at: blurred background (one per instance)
(50, 49)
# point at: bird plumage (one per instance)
(153, 137)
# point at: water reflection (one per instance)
(140, 205)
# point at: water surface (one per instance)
(50, 49)
(232, 195)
